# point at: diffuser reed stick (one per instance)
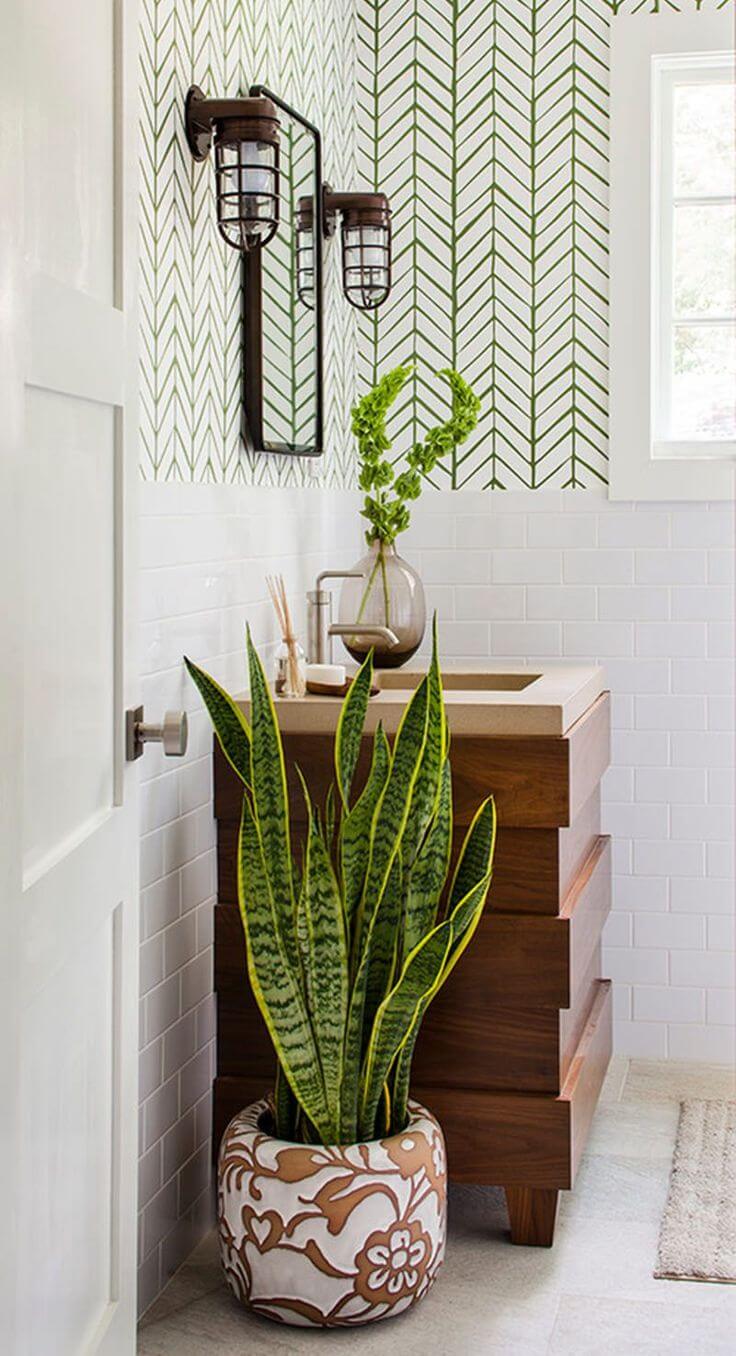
(295, 684)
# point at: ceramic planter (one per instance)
(331, 1237)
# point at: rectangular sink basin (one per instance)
(393, 679)
(480, 700)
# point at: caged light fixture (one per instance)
(366, 246)
(256, 196)
(245, 135)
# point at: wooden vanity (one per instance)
(514, 1049)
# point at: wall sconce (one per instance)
(245, 134)
(366, 246)
(251, 181)
(305, 252)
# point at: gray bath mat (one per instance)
(697, 1240)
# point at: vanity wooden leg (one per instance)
(532, 1215)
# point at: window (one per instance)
(694, 256)
(673, 255)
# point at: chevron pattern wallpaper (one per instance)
(486, 123)
(189, 279)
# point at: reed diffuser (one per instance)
(290, 678)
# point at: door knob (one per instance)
(172, 733)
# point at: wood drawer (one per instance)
(533, 869)
(527, 1139)
(530, 960)
(496, 1024)
(495, 1138)
(538, 781)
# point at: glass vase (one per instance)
(390, 594)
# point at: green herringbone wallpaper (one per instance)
(189, 280)
(486, 122)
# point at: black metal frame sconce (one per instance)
(245, 135)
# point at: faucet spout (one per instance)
(359, 629)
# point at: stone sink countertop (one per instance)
(484, 699)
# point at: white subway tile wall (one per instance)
(527, 577)
(648, 592)
(205, 551)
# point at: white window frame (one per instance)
(642, 464)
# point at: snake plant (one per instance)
(347, 946)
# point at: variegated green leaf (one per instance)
(401, 1079)
(327, 966)
(427, 786)
(231, 726)
(350, 727)
(464, 921)
(476, 853)
(392, 809)
(272, 979)
(356, 827)
(353, 1054)
(479, 849)
(270, 800)
(400, 1014)
(382, 952)
(429, 873)
(285, 1106)
(395, 1018)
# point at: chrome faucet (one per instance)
(321, 628)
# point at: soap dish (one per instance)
(328, 690)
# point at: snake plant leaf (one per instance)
(428, 875)
(402, 1071)
(395, 1018)
(272, 979)
(382, 953)
(476, 852)
(350, 727)
(356, 828)
(285, 1106)
(330, 815)
(392, 809)
(327, 966)
(399, 1017)
(231, 726)
(353, 1051)
(480, 847)
(270, 801)
(429, 777)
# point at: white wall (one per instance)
(205, 551)
(648, 591)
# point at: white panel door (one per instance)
(69, 840)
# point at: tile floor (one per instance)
(593, 1294)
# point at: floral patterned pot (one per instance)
(331, 1237)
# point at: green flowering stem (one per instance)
(380, 564)
(367, 590)
(386, 597)
(388, 493)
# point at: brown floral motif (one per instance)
(331, 1236)
(415, 1154)
(393, 1264)
(409, 1151)
(264, 1231)
(437, 1170)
